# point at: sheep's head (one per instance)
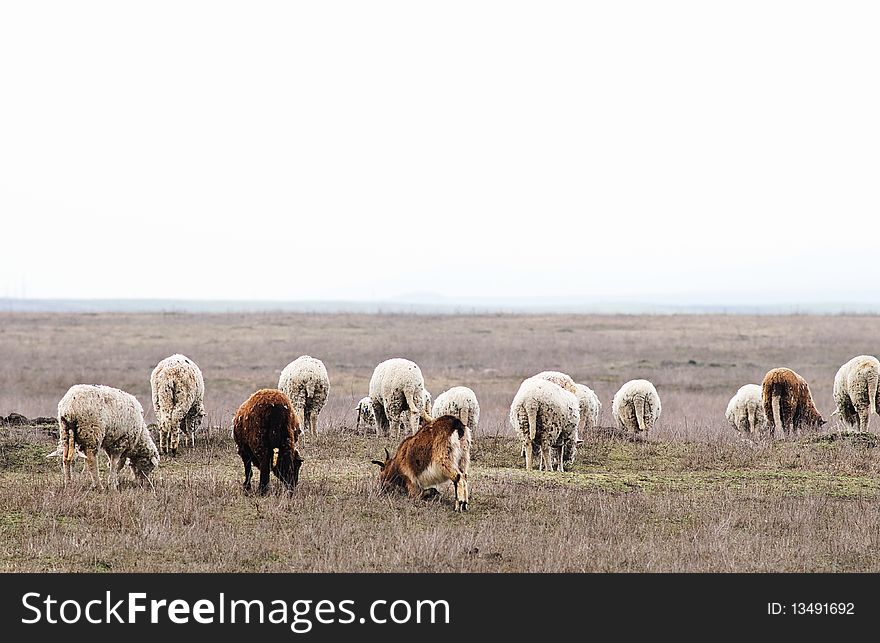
(143, 465)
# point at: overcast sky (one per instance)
(369, 150)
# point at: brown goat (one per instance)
(438, 452)
(788, 404)
(265, 429)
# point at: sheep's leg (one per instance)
(414, 418)
(92, 466)
(863, 419)
(174, 438)
(163, 439)
(313, 422)
(560, 452)
(382, 422)
(528, 450)
(115, 464)
(545, 458)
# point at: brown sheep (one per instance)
(788, 404)
(265, 429)
(438, 452)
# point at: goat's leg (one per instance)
(248, 470)
(265, 469)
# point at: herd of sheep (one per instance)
(550, 412)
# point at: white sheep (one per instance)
(636, 406)
(745, 411)
(546, 416)
(101, 417)
(397, 391)
(178, 391)
(306, 383)
(590, 407)
(461, 402)
(365, 416)
(560, 379)
(855, 390)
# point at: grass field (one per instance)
(694, 497)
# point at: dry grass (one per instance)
(695, 497)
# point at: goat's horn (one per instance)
(387, 455)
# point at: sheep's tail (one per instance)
(69, 438)
(873, 383)
(532, 412)
(777, 413)
(639, 403)
(411, 401)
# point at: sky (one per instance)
(672, 151)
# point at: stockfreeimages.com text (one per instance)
(300, 615)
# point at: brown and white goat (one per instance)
(265, 430)
(437, 453)
(788, 403)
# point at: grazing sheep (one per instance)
(306, 383)
(178, 398)
(547, 417)
(788, 404)
(560, 379)
(636, 406)
(101, 417)
(432, 456)
(461, 402)
(745, 411)
(265, 429)
(397, 390)
(365, 415)
(855, 390)
(585, 407)
(590, 407)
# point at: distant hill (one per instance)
(426, 307)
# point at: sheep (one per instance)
(546, 416)
(94, 417)
(397, 391)
(588, 402)
(178, 391)
(855, 390)
(589, 406)
(636, 406)
(788, 404)
(365, 415)
(745, 411)
(560, 379)
(306, 383)
(461, 402)
(265, 430)
(432, 456)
